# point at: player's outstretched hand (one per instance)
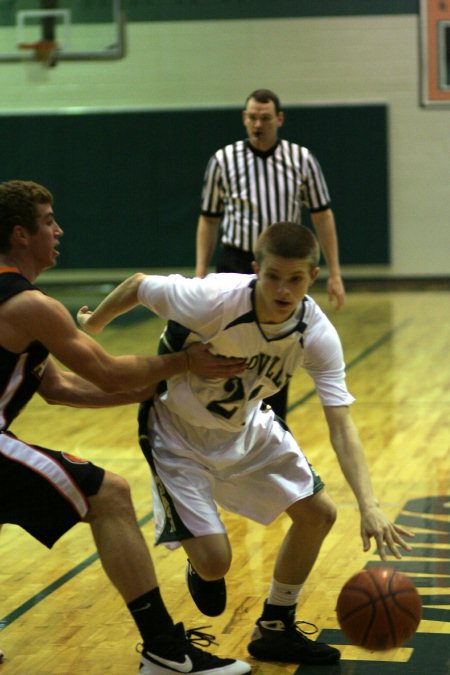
(205, 364)
(387, 535)
(83, 315)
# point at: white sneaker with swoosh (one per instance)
(176, 653)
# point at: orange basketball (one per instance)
(379, 609)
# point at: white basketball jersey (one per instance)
(220, 310)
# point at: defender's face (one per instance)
(282, 283)
(262, 124)
(44, 242)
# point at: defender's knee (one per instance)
(113, 498)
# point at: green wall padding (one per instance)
(89, 11)
(127, 184)
(204, 10)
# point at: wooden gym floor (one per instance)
(60, 616)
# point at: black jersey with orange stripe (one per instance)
(20, 372)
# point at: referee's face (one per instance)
(282, 283)
(262, 123)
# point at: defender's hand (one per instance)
(205, 364)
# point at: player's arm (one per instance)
(207, 233)
(325, 227)
(348, 447)
(39, 317)
(63, 387)
(121, 300)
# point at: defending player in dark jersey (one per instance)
(46, 492)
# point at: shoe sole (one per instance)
(236, 668)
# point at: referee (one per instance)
(253, 183)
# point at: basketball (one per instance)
(379, 609)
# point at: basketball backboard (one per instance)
(74, 29)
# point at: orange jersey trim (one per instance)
(9, 269)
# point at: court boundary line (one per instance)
(70, 574)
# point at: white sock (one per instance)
(284, 594)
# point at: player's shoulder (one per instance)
(229, 290)
(321, 340)
(12, 282)
(32, 310)
(25, 297)
(229, 281)
(213, 284)
(34, 302)
(316, 320)
(313, 311)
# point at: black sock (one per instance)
(272, 612)
(150, 615)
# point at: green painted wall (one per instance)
(199, 10)
(127, 185)
(186, 10)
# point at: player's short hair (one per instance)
(288, 240)
(264, 96)
(18, 201)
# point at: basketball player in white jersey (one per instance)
(212, 442)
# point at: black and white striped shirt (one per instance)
(251, 189)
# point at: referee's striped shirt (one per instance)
(251, 189)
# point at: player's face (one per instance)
(262, 123)
(44, 242)
(282, 283)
